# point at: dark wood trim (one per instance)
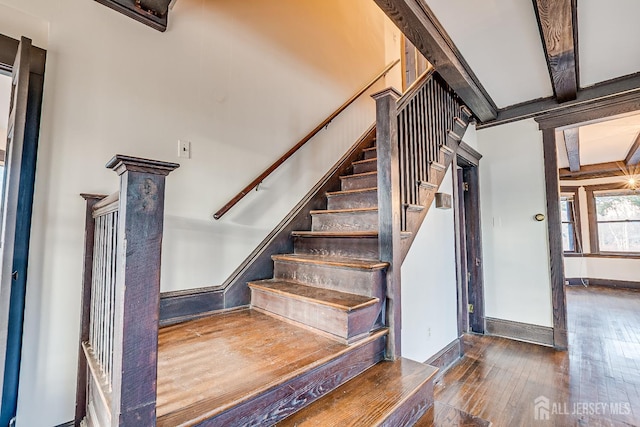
(556, 24)
(85, 305)
(633, 156)
(462, 291)
(8, 51)
(67, 424)
(467, 154)
(474, 249)
(419, 24)
(246, 190)
(609, 283)
(128, 8)
(572, 145)
(599, 170)
(554, 231)
(389, 212)
(137, 297)
(591, 215)
(591, 211)
(576, 220)
(615, 255)
(601, 97)
(19, 207)
(537, 334)
(446, 357)
(189, 304)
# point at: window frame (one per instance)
(577, 227)
(593, 218)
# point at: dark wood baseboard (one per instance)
(67, 424)
(446, 357)
(520, 331)
(587, 281)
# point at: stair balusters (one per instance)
(121, 297)
(416, 141)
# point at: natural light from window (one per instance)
(618, 221)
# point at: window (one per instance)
(570, 218)
(568, 224)
(617, 220)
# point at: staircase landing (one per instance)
(226, 363)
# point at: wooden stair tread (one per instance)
(333, 211)
(351, 234)
(338, 300)
(370, 148)
(332, 261)
(371, 160)
(367, 399)
(203, 363)
(411, 207)
(357, 175)
(356, 191)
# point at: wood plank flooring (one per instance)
(219, 361)
(595, 383)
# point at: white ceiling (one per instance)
(603, 142)
(608, 34)
(5, 94)
(501, 42)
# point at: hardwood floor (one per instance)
(595, 383)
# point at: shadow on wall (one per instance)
(330, 21)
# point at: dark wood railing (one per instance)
(302, 142)
(412, 132)
(117, 363)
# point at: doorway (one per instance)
(23, 65)
(471, 316)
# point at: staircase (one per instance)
(313, 347)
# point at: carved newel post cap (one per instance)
(390, 91)
(121, 163)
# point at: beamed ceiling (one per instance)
(533, 57)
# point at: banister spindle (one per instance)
(389, 209)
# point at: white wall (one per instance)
(243, 81)
(429, 301)
(515, 246)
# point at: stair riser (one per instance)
(358, 182)
(344, 326)
(370, 154)
(356, 281)
(365, 167)
(361, 248)
(410, 410)
(366, 199)
(436, 175)
(348, 221)
(277, 404)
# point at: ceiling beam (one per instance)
(419, 24)
(556, 23)
(599, 170)
(610, 92)
(633, 156)
(572, 143)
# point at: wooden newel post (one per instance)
(85, 305)
(389, 210)
(137, 299)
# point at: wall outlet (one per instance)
(184, 149)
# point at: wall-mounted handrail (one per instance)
(303, 141)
